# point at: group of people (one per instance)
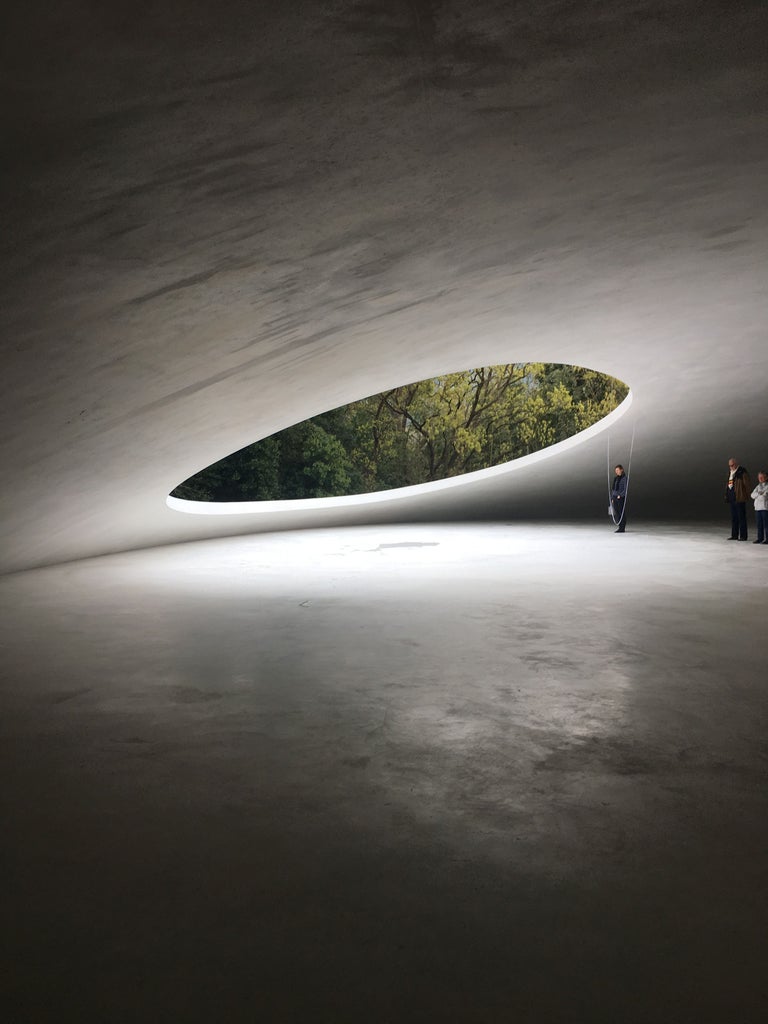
(738, 491)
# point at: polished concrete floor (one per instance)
(429, 773)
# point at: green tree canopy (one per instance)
(437, 428)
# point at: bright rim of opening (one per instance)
(383, 446)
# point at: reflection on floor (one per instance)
(429, 773)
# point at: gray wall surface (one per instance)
(220, 220)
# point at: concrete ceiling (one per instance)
(221, 219)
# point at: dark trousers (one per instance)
(762, 526)
(620, 513)
(738, 519)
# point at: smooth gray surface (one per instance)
(221, 219)
(391, 773)
(468, 774)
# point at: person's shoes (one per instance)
(765, 542)
(742, 538)
(732, 538)
(758, 542)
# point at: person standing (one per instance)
(737, 491)
(619, 499)
(760, 494)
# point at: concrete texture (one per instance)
(384, 773)
(223, 218)
(416, 773)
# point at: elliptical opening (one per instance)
(435, 429)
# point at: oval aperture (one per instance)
(434, 429)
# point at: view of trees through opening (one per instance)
(437, 428)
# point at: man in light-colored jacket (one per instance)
(760, 494)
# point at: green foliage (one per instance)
(436, 428)
(252, 474)
(326, 464)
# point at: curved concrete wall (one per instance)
(221, 222)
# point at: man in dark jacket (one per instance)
(619, 498)
(737, 492)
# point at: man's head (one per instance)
(618, 470)
(762, 476)
(733, 464)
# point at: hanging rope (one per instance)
(620, 520)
